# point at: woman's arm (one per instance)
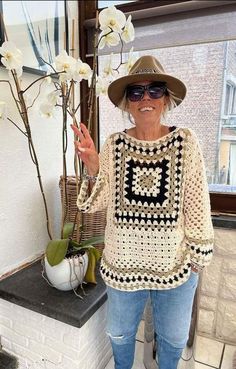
(86, 150)
(199, 233)
(94, 190)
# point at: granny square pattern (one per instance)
(148, 182)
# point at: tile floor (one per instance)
(208, 354)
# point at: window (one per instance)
(200, 66)
(191, 41)
(230, 100)
(227, 97)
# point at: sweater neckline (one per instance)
(173, 129)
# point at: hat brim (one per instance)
(116, 89)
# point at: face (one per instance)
(147, 108)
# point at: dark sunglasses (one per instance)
(154, 90)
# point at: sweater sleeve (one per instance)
(197, 212)
(98, 199)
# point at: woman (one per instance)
(159, 235)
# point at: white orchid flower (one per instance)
(108, 38)
(52, 97)
(12, 57)
(65, 63)
(47, 80)
(3, 111)
(47, 110)
(131, 60)
(127, 34)
(81, 71)
(91, 78)
(101, 86)
(64, 77)
(108, 70)
(112, 18)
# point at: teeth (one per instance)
(147, 108)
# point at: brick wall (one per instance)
(217, 292)
(231, 65)
(41, 342)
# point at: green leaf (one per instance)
(86, 247)
(93, 241)
(74, 244)
(56, 251)
(67, 230)
(90, 275)
(97, 253)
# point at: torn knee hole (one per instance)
(115, 337)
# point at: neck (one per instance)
(149, 133)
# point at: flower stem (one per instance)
(24, 115)
(39, 79)
(64, 149)
(92, 94)
(17, 127)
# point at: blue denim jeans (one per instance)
(171, 314)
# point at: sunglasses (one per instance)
(154, 90)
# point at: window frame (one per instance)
(221, 202)
(231, 103)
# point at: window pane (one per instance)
(105, 4)
(234, 102)
(201, 67)
(227, 96)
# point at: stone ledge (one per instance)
(224, 221)
(28, 289)
(7, 361)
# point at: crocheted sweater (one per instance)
(158, 210)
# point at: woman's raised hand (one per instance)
(86, 150)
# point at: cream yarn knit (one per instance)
(158, 210)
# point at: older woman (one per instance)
(159, 235)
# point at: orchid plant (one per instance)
(67, 73)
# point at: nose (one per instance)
(146, 95)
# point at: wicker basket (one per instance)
(92, 224)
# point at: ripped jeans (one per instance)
(171, 314)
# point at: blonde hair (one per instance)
(123, 103)
(172, 102)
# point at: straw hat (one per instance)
(146, 68)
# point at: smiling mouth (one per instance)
(147, 108)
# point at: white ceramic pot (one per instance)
(69, 273)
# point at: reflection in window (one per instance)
(209, 107)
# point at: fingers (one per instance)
(79, 148)
(75, 129)
(78, 133)
(85, 131)
(82, 133)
